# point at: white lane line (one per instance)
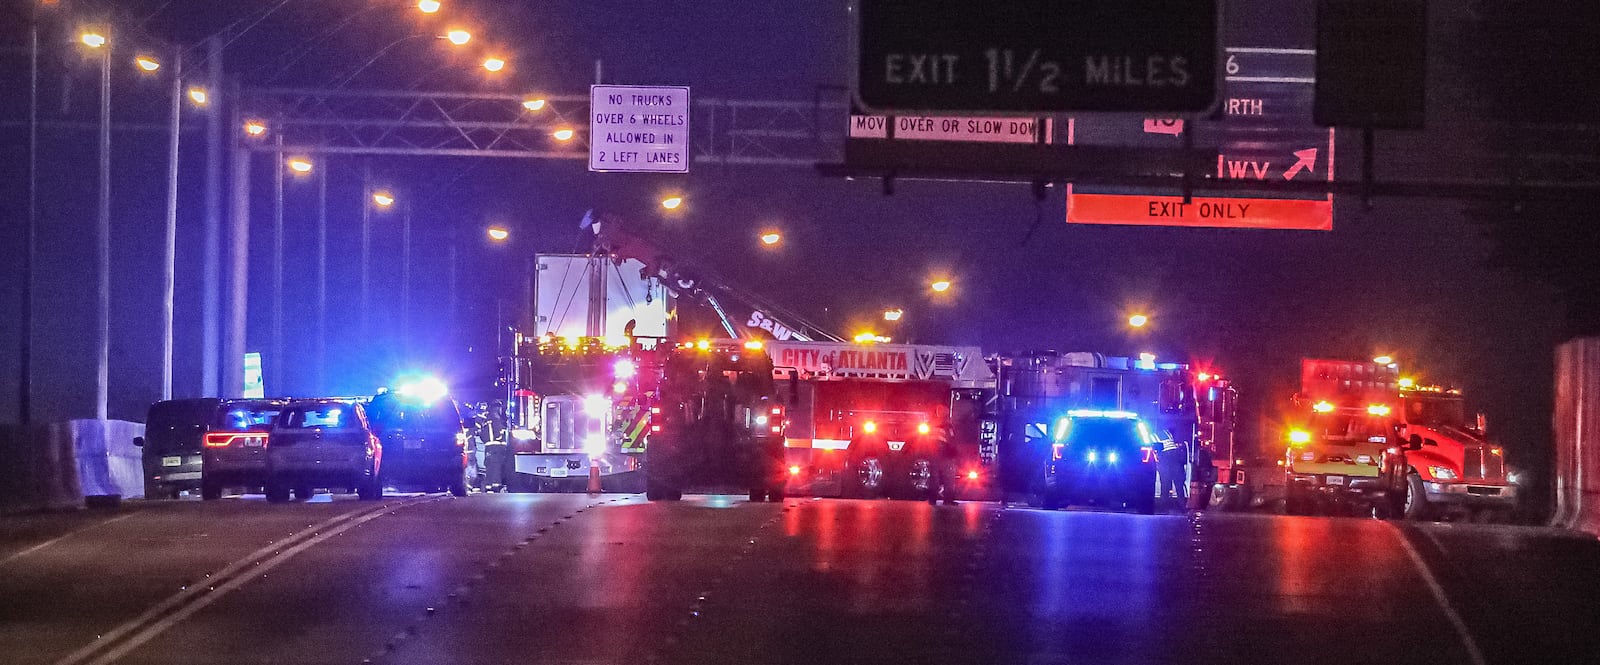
(1474, 655)
(153, 630)
(200, 586)
(64, 536)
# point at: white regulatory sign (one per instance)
(639, 128)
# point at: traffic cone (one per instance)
(594, 476)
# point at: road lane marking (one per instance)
(1474, 655)
(200, 590)
(64, 536)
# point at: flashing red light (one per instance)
(225, 439)
(972, 475)
(794, 470)
(923, 428)
(1203, 376)
(869, 427)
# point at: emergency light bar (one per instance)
(1094, 413)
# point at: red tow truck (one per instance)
(1455, 471)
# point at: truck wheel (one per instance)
(1050, 500)
(458, 487)
(1416, 502)
(776, 494)
(864, 479)
(303, 492)
(277, 491)
(371, 489)
(210, 491)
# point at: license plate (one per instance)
(1335, 480)
(172, 461)
(558, 472)
(413, 445)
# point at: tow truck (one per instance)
(1179, 400)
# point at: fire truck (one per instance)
(716, 422)
(865, 419)
(1339, 457)
(1380, 440)
(1195, 407)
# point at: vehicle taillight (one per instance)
(923, 428)
(869, 427)
(972, 474)
(794, 470)
(225, 439)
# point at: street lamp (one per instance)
(771, 238)
(533, 104)
(893, 314)
(940, 286)
(92, 39)
(494, 64)
(300, 165)
(428, 6)
(382, 199)
(255, 128)
(672, 202)
(458, 37)
(96, 39)
(1383, 360)
(498, 234)
(147, 63)
(198, 95)
(563, 134)
(1138, 321)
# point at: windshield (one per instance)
(388, 413)
(1436, 412)
(321, 416)
(246, 417)
(1340, 428)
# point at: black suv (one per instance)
(424, 442)
(1101, 457)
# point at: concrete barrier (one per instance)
(55, 466)
(1577, 435)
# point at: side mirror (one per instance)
(138, 441)
(1415, 443)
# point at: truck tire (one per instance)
(303, 492)
(864, 478)
(1050, 500)
(1415, 507)
(458, 487)
(776, 494)
(210, 491)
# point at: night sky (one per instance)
(1408, 278)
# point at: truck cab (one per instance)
(1454, 469)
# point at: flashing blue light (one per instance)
(1169, 366)
(1093, 457)
(426, 390)
(1096, 413)
(1061, 428)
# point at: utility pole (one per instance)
(211, 283)
(233, 348)
(366, 249)
(25, 357)
(276, 361)
(322, 279)
(405, 278)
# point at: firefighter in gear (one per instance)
(1172, 460)
(943, 473)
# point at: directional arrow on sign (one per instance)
(1307, 161)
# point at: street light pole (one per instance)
(322, 278)
(25, 357)
(169, 262)
(405, 278)
(277, 363)
(103, 245)
(366, 248)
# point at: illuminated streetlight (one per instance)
(940, 286)
(533, 104)
(458, 37)
(771, 238)
(498, 234)
(672, 202)
(494, 64)
(382, 199)
(92, 39)
(1138, 321)
(1383, 360)
(562, 134)
(428, 6)
(893, 314)
(147, 63)
(198, 96)
(299, 165)
(255, 128)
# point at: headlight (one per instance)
(1442, 472)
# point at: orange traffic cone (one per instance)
(594, 476)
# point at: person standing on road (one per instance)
(1172, 460)
(942, 479)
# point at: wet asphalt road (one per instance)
(614, 579)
